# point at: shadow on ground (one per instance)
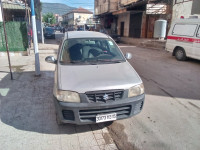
(27, 104)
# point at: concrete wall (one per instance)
(125, 17)
(103, 6)
(182, 9)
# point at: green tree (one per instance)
(49, 18)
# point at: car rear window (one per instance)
(90, 50)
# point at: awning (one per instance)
(14, 6)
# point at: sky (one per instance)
(87, 4)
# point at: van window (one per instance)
(184, 29)
(198, 32)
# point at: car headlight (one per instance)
(67, 96)
(136, 90)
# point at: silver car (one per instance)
(93, 80)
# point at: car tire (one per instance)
(180, 54)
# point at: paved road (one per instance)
(170, 119)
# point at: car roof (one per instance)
(84, 34)
(188, 20)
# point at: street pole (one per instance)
(6, 39)
(35, 40)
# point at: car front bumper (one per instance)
(85, 113)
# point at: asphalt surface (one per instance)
(170, 119)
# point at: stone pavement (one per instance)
(27, 112)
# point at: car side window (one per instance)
(184, 29)
(198, 32)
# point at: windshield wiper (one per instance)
(82, 62)
(110, 60)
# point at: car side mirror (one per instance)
(51, 59)
(128, 55)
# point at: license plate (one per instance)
(106, 117)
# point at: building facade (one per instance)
(133, 18)
(103, 11)
(77, 17)
(185, 8)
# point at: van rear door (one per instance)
(196, 45)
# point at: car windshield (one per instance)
(49, 30)
(90, 51)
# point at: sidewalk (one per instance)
(145, 43)
(28, 120)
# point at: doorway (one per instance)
(135, 25)
(122, 29)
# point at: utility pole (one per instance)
(6, 39)
(35, 40)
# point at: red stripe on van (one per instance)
(183, 39)
(180, 38)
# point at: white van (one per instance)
(183, 39)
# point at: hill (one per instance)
(56, 8)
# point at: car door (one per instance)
(196, 45)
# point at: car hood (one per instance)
(85, 78)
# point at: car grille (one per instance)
(89, 115)
(100, 96)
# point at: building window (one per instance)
(181, 1)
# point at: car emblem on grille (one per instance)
(105, 97)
